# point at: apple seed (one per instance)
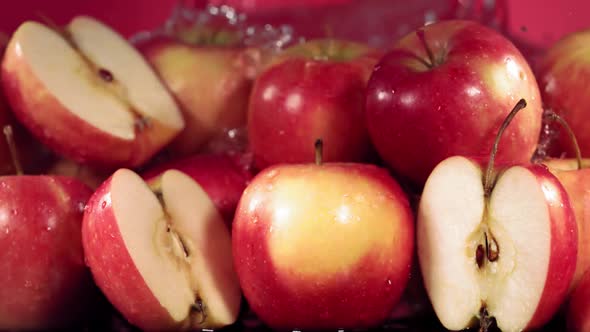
(493, 251)
(106, 75)
(479, 256)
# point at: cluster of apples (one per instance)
(361, 160)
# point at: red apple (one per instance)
(221, 176)
(564, 76)
(161, 253)
(578, 311)
(577, 184)
(88, 94)
(44, 282)
(506, 251)
(444, 90)
(315, 90)
(211, 77)
(323, 246)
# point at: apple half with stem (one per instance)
(500, 248)
(87, 94)
(161, 252)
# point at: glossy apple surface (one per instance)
(315, 91)
(310, 241)
(45, 283)
(564, 77)
(422, 110)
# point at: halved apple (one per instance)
(88, 94)
(509, 253)
(161, 252)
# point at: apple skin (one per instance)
(417, 116)
(307, 95)
(129, 294)
(45, 284)
(564, 246)
(211, 83)
(220, 176)
(564, 76)
(578, 309)
(577, 184)
(301, 267)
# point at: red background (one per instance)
(545, 20)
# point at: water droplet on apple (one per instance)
(14, 212)
(104, 204)
(81, 207)
(48, 228)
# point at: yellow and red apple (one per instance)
(323, 246)
(211, 78)
(564, 78)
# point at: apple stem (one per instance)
(9, 135)
(319, 151)
(551, 116)
(422, 37)
(488, 181)
(485, 321)
(198, 308)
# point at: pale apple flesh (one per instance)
(161, 252)
(513, 253)
(88, 94)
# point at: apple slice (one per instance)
(161, 253)
(88, 94)
(509, 253)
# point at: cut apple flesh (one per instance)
(180, 246)
(480, 254)
(124, 90)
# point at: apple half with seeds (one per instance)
(161, 252)
(87, 94)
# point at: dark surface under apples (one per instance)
(112, 321)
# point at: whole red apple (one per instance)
(210, 73)
(315, 90)
(221, 176)
(44, 282)
(564, 78)
(444, 90)
(323, 246)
